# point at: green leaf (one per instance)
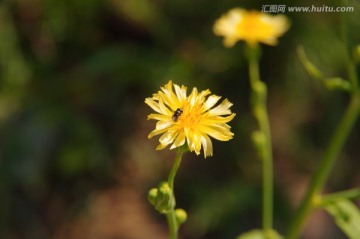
(333, 83)
(311, 69)
(347, 217)
(260, 234)
(336, 83)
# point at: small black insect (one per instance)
(177, 114)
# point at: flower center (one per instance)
(252, 27)
(190, 117)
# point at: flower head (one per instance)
(250, 26)
(189, 119)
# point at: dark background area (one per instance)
(75, 161)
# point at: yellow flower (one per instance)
(250, 26)
(189, 119)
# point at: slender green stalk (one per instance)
(327, 163)
(351, 70)
(342, 132)
(175, 167)
(173, 227)
(333, 197)
(265, 150)
(172, 223)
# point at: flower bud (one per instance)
(161, 198)
(180, 215)
(152, 195)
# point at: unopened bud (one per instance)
(152, 195)
(161, 198)
(180, 215)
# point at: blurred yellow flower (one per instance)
(250, 26)
(189, 119)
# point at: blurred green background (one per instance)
(75, 161)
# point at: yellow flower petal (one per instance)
(163, 109)
(207, 145)
(163, 124)
(218, 132)
(222, 109)
(168, 137)
(161, 146)
(180, 92)
(158, 117)
(194, 141)
(179, 141)
(210, 102)
(218, 119)
(156, 132)
(154, 105)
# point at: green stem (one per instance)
(342, 132)
(347, 194)
(353, 78)
(328, 162)
(172, 223)
(259, 108)
(173, 227)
